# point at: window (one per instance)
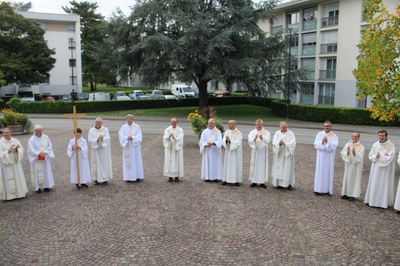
(330, 13)
(326, 94)
(309, 43)
(310, 18)
(329, 42)
(292, 20)
(308, 68)
(328, 69)
(307, 93)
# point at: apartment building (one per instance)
(62, 33)
(324, 38)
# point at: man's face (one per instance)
(211, 124)
(7, 134)
(259, 125)
(284, 127)
(38, 132)
(129, 120)
(355, 137)
(382, 137)
(174, 123)
(327, 127)
(98, 124)
(231, 125)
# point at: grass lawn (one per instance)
(239, 112)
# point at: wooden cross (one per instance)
(75, 116)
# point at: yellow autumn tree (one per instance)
(378, 71)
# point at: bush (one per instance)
(13, 118)
(199, 122)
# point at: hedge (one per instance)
(317, 113)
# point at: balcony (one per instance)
(328, 74)
(310, 25)
(328, 48)
(306, 98)
(294, 51)
(293, 27)
(309, 50)
(330, 21)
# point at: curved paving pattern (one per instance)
(155, 222)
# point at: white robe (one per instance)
(397, 201)
(84, 169)
(283, 159)
(211, 164)
(233, 160)
(259, 156)
(353, 166)
(325, 165)
(12, 179)
(41, 172)
(100, 154)
(132, 164)
(173, 152)
(380, 190)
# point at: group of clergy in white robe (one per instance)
(380, 190)
(230, 171)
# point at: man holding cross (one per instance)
(130, 138)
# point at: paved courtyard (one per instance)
(193, 222)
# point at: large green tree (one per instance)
(378, 71)
(198, 41)
(97, 52)
(24, 55)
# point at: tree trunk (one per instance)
(203, 97)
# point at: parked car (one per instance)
(122, 98)
(156, 94)
(119, 93)
(65, 97)
(135, 94)
(47, 99)
(144, 97)
(83, 96)
(222, 93)
(170, 97)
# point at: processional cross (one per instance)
(75, 118)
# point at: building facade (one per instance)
(62, 33)
(324, 38)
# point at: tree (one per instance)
(198, 41)
(378, 71)
(24, 55)
(95, 61)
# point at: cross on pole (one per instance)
(75, 118)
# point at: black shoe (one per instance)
(290, 188)
(352, 199)
(170, 179)
(317, 193)
(224, 183)
(263, 185)
(47, 189)
(253, 185)
(96, 183)
(328, 194)
(39, 191)
(138, 180)
(105, 183)
(237, 184)
(344, 197)
(85, 185)
(216, 181)
(176, 179)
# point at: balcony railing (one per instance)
(310, 25)
(330, 21)
(328, 48)
(329, 74)
(294, 28)
(309, 50)
(326, 100)
(306, 98)
(277, 29)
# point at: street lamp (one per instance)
(288, 75)
(71, 46)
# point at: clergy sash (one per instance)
(385, 147)
(127, 150)
(93, 161)
(40, 161)
(212, 138)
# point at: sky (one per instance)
(106, 7)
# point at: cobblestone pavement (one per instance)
(192, 222)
